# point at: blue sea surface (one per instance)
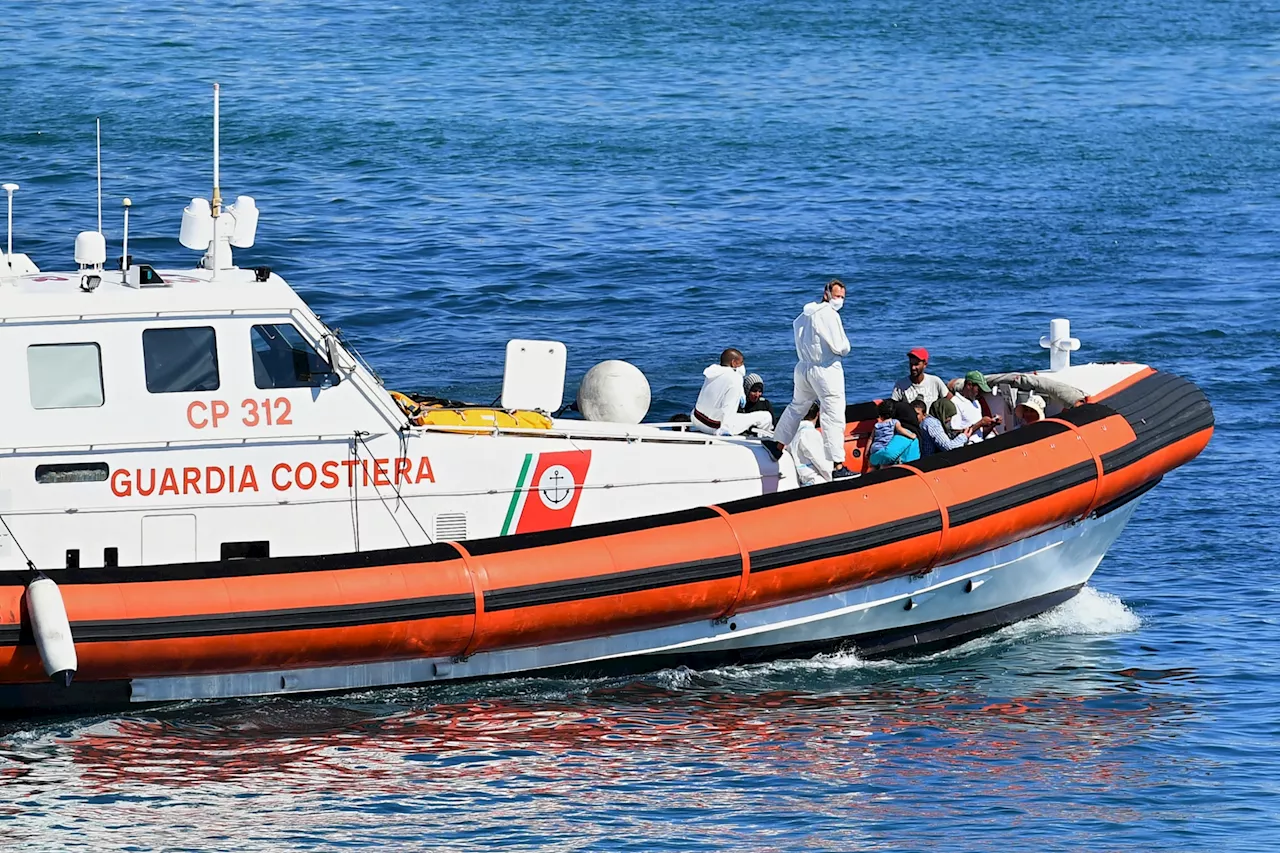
(656, 181)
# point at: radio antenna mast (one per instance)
(10, 189)
(99, 124)
(217, 194)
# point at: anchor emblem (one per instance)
(556, 487)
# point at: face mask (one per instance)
(837, 302)
(741, 370)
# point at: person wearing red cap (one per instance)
(918, 385)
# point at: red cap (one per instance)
(920, 353)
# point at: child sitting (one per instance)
(892, 443)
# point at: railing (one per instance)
(652, 433)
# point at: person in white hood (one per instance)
(812, 465)
(819, 376)
(716, 411)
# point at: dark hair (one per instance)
(919, 403)
(729, 356)
(885, 409)
(813, 412)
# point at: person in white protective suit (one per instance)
(819, 376)
(812, 465)
(716, 411)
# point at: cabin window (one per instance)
(282, 358)
(180, 359)
(72, 472)
(65, 376)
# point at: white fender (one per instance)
(52, 630)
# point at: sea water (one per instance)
(656, 181)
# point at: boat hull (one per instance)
(901, 616)
(902, 560)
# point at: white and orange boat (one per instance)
(204, 494)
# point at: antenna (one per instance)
(217, 194)
(98, 122)
(124, 259)
(10, 189)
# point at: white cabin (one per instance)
(177, 416)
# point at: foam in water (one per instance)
(1089, 613)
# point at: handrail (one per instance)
(288, 438)
(681, 437)
(162, 444)
(479, 579)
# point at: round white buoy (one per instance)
(51, 629)
(614, 391)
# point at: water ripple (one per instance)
(654, 182)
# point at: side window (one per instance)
(180, 359)
(65, 376)
(282, 358)
(72, 472)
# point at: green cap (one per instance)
(976, 377)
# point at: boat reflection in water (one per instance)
(848, 736)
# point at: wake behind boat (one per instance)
(205, 493)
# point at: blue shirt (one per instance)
(934, 439)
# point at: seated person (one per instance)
(933, 436)
(974, 405)
(905, 414)
(892, 443)
(917, 384)
(808, 451)
(1029, 411)
(755, 401)
(944, 410)
(716, 411)
(968, 411)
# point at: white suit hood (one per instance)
(717, 370)
(721, 391)
(819, 335)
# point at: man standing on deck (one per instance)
(819, 376)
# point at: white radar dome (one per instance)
(91, 249)
(614, 391)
